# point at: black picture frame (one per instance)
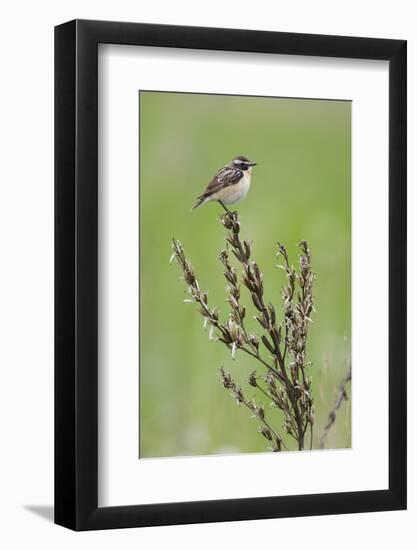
(76, 272)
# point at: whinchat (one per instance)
(230, 184)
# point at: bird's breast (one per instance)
(236, 192)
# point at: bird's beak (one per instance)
(253, 163)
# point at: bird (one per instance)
(230, 184)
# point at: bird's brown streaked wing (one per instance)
(224, 177)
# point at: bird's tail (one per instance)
(200, 201)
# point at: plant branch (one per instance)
(341, 396)
(287, 385)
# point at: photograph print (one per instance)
(245, 274)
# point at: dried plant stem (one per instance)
(252, 279)
(286, 386)
(341, 396)
(259, 412)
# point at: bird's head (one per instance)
(242, 163)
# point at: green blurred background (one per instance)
(300, 190)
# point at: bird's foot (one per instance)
(225, 208)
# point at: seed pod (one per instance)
(262, 322)
(247, 249)
(252, 379)
(257, 303)
(233, 302)
(254, 340)
(226, 221)
(266, 433)
(272, 313)
(257, 271)
(268, 345)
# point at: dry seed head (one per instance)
(266, 432)
(252, 379)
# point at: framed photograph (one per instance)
(230, 252)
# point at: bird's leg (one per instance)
(227, 210)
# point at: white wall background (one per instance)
(26, 273)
